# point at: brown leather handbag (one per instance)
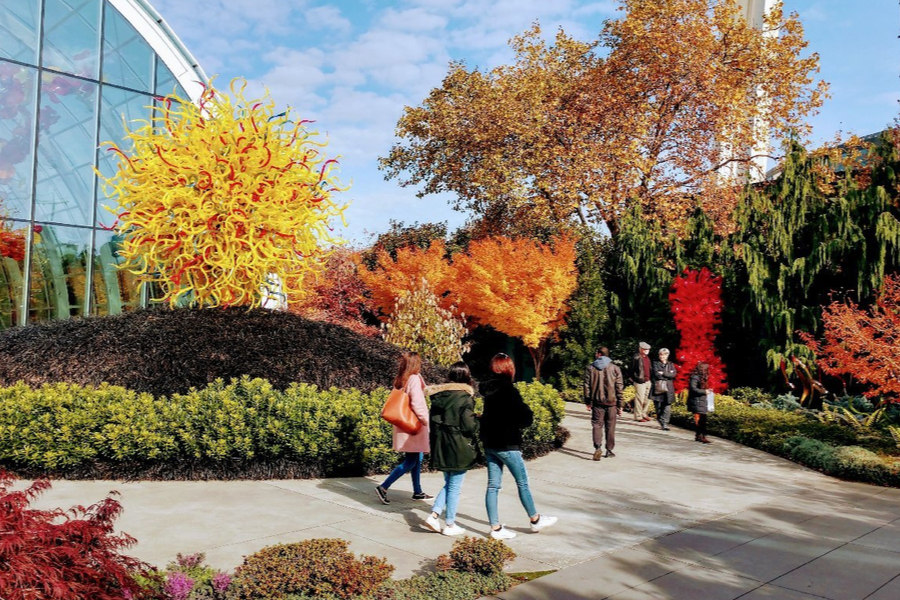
(398, 412)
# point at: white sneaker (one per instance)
(543, 522)
(453, 529)
(432, 523)
(502, 534)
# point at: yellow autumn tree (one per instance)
(519, 287)
(652, 111)
(225, 201)
(390, 277)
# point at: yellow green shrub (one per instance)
(242, 428)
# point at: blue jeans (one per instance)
(412, 463)
(495, 462)
(449, 495)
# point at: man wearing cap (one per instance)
(640, 376)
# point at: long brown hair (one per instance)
(702, 371)
(410, 364)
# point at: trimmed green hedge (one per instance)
(866, 455)
(243, 429)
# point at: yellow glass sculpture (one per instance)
(223, 201)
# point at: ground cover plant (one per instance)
(246, 428)
(165, 352)
(325, 569)
(862, 450)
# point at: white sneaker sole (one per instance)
(429, 527)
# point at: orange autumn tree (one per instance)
(518, 287)
(391, 278)
(649, 112)
(863, 344)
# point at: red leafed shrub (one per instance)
(696, 300)
(309, 568)
(62, 555)
(862, 344)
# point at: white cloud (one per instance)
(328, 18)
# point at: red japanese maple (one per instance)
(862, 343)
(62, 555)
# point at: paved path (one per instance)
(667, 518)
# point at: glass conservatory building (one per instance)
(72, 74)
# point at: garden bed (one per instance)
(857, 453)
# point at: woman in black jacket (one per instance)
(453, 444)
(662, 390)
(505, 416)
(696, 403)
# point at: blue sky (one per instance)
(353, 65)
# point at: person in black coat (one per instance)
(698, 388)
(662, 377)
(505, 416)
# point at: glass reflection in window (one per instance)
(19, 30)
(13, 242)
(17, 90)
(114, 290)
(58, 272)
(71, 41)
(118, 109)
(127, 58)
(65, 150)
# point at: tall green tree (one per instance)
(588, 320)
(802, 241)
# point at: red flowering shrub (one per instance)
(62, 555)
(696, 300)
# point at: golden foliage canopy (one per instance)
(391, 278)
(518, 287)
(651, 112)
(218, 197)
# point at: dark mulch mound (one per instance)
(169, 351)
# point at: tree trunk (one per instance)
(538, 355)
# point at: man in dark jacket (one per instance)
(603, 386)
(640, 376)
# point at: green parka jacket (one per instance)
(454, 428)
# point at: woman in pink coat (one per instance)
(414, 446)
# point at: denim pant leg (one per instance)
(513, 459)
(495, 477)
(663, 412)
(416, 472)
(453, 486)
(411, 462)
(440, 501)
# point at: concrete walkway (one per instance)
(667, 518)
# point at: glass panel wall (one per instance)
(19, 30)
(56, 108)
(17, 103)
(127, 58)
(119, 109)
(58, 287)
(66, 141)
(13, 240)
(71, 40)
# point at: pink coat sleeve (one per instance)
(416, 390)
